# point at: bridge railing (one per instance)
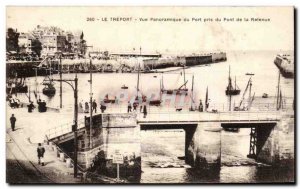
(234, 116)
(220, 107)
(63, 129)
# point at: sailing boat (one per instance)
(156, 102)
(230, 90)
(181, 90)
(49, 89)
(138, 87)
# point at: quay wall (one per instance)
(278, 149)
(203, 147)
(111, 134)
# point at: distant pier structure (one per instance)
(187, 60)
(113, 62)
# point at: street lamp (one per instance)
(75, 126)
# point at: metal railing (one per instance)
(63, 129)
(234, 116)
(266, 112)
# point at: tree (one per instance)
(12, 39)
(36, 46)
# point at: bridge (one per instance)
(121, 131)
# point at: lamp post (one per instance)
(60, 83)
(75, 126)
(91, 104)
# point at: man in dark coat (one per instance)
(129, 107)
(40, 154)
(44, 106)
(13, 122)
(94, 106)
(145, 110)
(200, 106)
(39, 102)
(30, 107)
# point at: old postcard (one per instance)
(149, 95)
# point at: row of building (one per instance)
(51, 40)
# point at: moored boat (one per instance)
(181, 90)
(230, 90)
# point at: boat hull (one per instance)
(22, 89)
(154, 102)
(175, 91)
(232, 92)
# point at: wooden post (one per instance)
(118, 172)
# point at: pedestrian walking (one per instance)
(30, 107)
(39, 102)
(44, 106)
(13, 122)
(129, 107)
(102, 106)
(40, 154)
(80, 108)
(207, 106)
(94, 106)
(135, 104)
(200, 106)
(145, 110)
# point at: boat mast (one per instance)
(229, 88)
(250, 94)
(229, 81)
(206, 98)
(278, 89)
(184, 77)
(138, 82)
(245, 92)
(234, 82)
(160, 84)
(192, 95)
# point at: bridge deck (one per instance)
(183, 118)
(210, 117)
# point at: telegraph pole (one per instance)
(75, 126)
(60, 86)
(91, 103)
(278, 89)
(91, 100)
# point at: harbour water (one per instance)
(161, 149)
(160, 163)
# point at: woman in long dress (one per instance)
(87, 108)
(80, 107)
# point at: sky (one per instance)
(166, 37)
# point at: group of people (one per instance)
(42, 106)
(86, 108)
(14, 102)
(200, 108)
(143, 107)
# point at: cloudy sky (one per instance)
(161, 36)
